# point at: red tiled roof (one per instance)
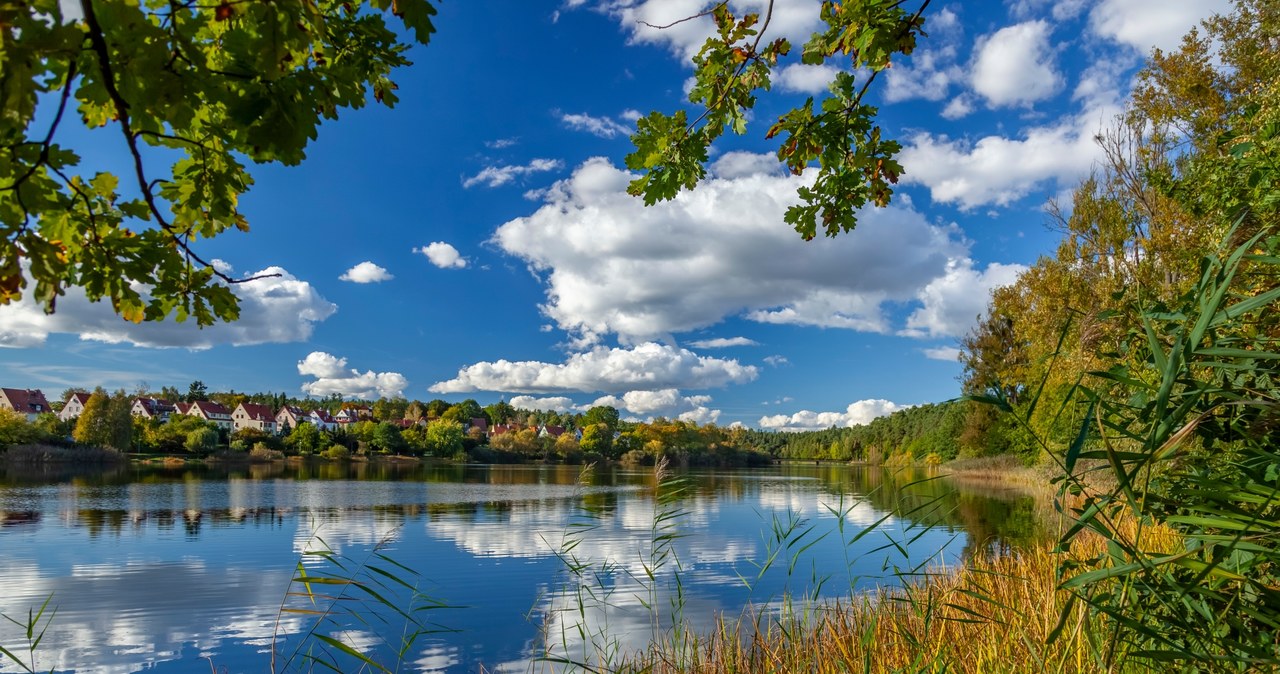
(26, 401)
(209, 407)
(258, 412)
(79, 395)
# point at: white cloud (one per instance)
(648, 366)
(857, 414)
(550, 404)
(443, 255)
(272, 310)
(776, 360)
(601, 127)
(665, 403)
(723, 342)
(927, 74)
(1143, 24)
(1014, 65)
(999, 170)
(958, 107)
(366, 272)
(497, 176)
(332, 376)
(500, 143)
(807, 79)
(948, 353)
(953, 302)
(613, 265)
(739, 164)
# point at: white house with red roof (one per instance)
(289, 417)
(323, 420)
(209, 411)
(30, 403)
(153, 408)
(253, 415)
(74, 406)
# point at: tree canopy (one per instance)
(207, 85)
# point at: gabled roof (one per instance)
(156, 406)
(26, 401)
(80, 396)
(295, 411)
(210, 408)
(322, 415)
(554, 431)
(258, 412)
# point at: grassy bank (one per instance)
(993, 615)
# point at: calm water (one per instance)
(172, 571)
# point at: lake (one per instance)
(186, 569)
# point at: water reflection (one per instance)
(157, 568)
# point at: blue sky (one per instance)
(477, 242)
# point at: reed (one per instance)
(992, 615)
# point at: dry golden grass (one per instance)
(991, 616)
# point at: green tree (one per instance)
(212, 84)
(387, 439)
(500, 412)
(197, 391)
(201, 441)
(464, 412)
(305, 439)
(14, 429)
(105, 421)
(597, 438)
(444, 437)
(601, 414)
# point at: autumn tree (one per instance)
(444, 437)
(106, 421)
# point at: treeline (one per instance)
(925, 432)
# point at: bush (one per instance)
(263, 454)
(337, 452)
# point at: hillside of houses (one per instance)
(270, 426)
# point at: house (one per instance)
(27, 402)
(289, 417)
(253, 415)
(74, 406)
(153, 408)
(322, 420)
(209, 411)
(480, 423)
(499, 429)
(353, 414)
(550, 431)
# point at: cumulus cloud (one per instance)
(442, 255)
(601, 127)
(272, 310)
(776, 360)
(1015, 65)
(366, 272)
(958, 107)
(664, 403)
(948, 353)
(332, 376)
(739, 164)
(647, 366)
(999, 170)
(953, 302)
(806, 79)
(612, 265)
(549, 404)
(497, 176)
(1144, 24)
(723, 342)
(856, 414)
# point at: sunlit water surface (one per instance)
(176, 571)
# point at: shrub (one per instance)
(337, 452)
(262, 453)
